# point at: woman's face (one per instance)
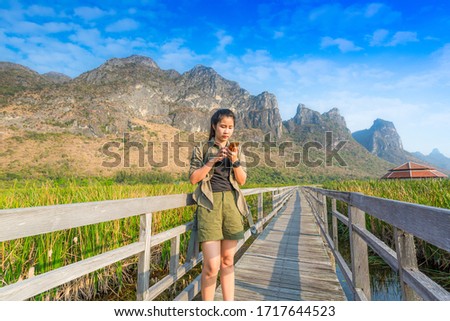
(224, 129)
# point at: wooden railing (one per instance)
(24, 222)
(430, 224)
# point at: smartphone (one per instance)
(233, 146)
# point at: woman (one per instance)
(219, 170)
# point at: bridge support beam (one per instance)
(407, 259)
(260, 209)
(334, 224)
(145, 235)
(360, 257)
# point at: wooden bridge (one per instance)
(288, 261)
(291, 259)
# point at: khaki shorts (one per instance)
(224, 222)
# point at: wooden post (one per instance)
(174, 254)
(273, 200)
(359, 253)
(325, 213)
(145, 234)
(317, 205)
(407, 259)
(335, 225)
(260, 209)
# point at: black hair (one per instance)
(217, 117)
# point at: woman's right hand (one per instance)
(221, 154)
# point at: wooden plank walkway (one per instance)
(288, 261)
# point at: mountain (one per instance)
(383, 140)
(56, 77)
(309, 127)
(108, 99)
(307, 123)
(53, 125)
(436, 158)
(16, 78)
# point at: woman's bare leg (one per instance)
(228, 249)
(211, 265)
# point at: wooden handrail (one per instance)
(429, 223)
(24, 222)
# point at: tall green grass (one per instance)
(26, 257)
(23, 258)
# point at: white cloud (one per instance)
(56, 27)
(278, 34)
(257, 57)
(36, 10)
(378, 38)
(91, 13)
(344, 45)
(173, 55)
(224, 40)
(123, 25)
(403, 37)
(87, 37)
(373, 8)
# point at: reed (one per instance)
(26, 257)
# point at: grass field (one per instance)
(26, 257)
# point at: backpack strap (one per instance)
(194, 245)
(205, 151)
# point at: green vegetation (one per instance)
(29, 256)
(23, 258)
(433, 192)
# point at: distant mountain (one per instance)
(307, 123)
(310, 126)
(16, 78)
(436, 158)
(111, 97)
(383, 140)
(133, 95)
(56, 77)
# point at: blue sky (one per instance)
(388, 60)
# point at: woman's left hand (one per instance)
(232, 154)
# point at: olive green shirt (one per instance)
(203, 194)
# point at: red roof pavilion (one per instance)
(413, 170)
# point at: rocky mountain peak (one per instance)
(110, 97)
(57, 77)
(121, 69)
(141, 61)
(436, 158)
(310, 123)
(381, 124)
(17, 77)
(436, 152)
(335, 117)
(382, 139)
(202, 70)
(209, 81)
(305, 116)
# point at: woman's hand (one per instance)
(232, 154)
(221, 154)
